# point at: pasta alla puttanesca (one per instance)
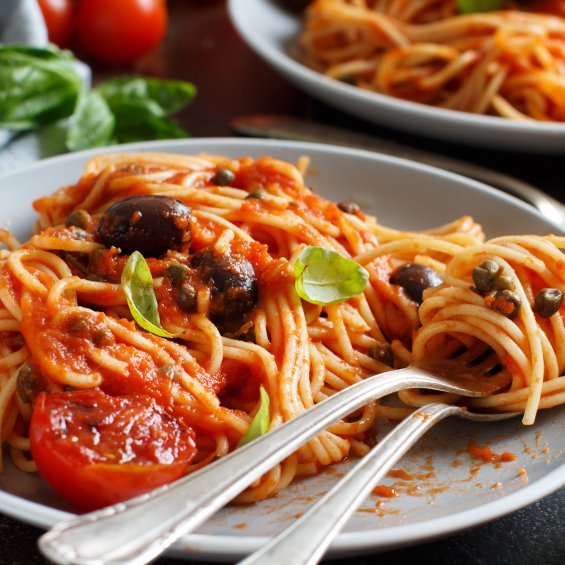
(104, 408)
(508, 63)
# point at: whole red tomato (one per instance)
(95, 450)
(58, 16)
(120, 31)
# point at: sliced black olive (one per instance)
(223, 177)
(485, 274)
(548, 301)
(233, 286)
(506, 302)
(414, 279)
(150, 224)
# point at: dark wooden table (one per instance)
(201, 46)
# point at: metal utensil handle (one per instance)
(140, 529)
(305, 541)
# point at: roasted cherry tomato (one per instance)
(95, 450)
(121, 31)
(58, 16)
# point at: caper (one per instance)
(506, 302)
(169, 371)
(30, 382)
(78, 218)
(186, 296)
(349, 207)
(548, 301)
(258, 194)
(176, 272)
(485, 274)
(79, 325)
(383, 353)
(503, 282)
(103, 337)
(223, 177)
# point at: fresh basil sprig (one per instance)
(261, 421)
(326, 277)
(472, 6)
(137, 284)
(129, 109)
(39, 86)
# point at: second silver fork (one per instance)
(306, 540)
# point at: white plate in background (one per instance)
(449, 490)
(272, 33)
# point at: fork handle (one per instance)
(138, 530)
(305, 541)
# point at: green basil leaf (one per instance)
(37, 86)
(150, 128)
(93, 123)
(261, 421)
(137, 284)
(158, 97)
(325, 277)
(472, 6)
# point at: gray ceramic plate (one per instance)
(448, 491)
(272, 33)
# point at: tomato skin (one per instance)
(58, 16)
(120, 31)
(78, 439)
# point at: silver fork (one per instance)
(138, 530)
(306, 540)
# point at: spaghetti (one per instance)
(66, 330)
(508, 63)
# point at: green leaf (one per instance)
(156, 97)
(137, 284)
(325, 277)
(37, 86)
(93, 123)
(151, 128)
(472, 6)
(260, 423)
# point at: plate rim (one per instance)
(285, 63)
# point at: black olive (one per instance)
(233, 286)
(223, 177)
(484, 276)
(548, 301)
(414, 279)
(150, 224)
